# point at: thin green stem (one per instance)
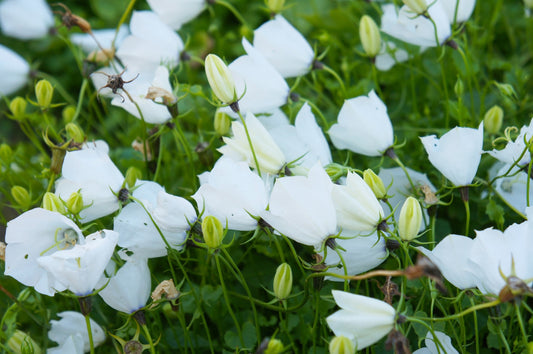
(149, 338)
(233, 10)
(89, 332)
(250, 143)
(467, 214)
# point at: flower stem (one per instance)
(149, 338)
(89, 332)
(250, 143)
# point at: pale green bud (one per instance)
(507, 90)
(275, 346)
(213, 232)
(17, 106)
(370, 36)
(75, 133)
(22, 343)
(417, 6)
(283, 281)
(44, 92)
(133, 174)
(6, 153)
(222, 123)
(375, 183)
(459, 87)
(341, 345)
(53, 203)
(275, 6)
(492, 122)
(21, 196)
(68, 113)
(410, 219)
(220, 79)
(75, 203)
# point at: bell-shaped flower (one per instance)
(14, 71)
(514, 150)
(416, 29)
(462, 8)
(151, 44)
(104, 36)
(73, 344)
(269, 156)
(25, 19)
(302, 209)
(233, 194)
(32, 235)
(72, 323)
(512, 188)
(443, 344)
(456, 154)
(175, 13)
(91, 172)
(129, 289)
(284, 47)
(356, 205)
(362, 319)
(363, 126)
(173, 216)
(389, 55)
(80, 267)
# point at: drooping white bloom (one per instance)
(175, 13)
(362, 319)
(363, 126)
(71, 324)
(80, 267)
(14, 71)
(443, 345)
(456, 154)
(73, 344)
(91, 172)
(173, 215)
(513, 188)
(268, 154)
(232, 193)
(464, 9)
(356, 205)
(104, 36)
(284, 47)
(302, 209)
(514, 149)
(25, 19)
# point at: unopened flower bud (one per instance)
(22, 343)
(375, 183)
(275, 6)
(220, 79)
(68, 114)
(459, 87)
(341, 345)
(275, 346)
(53, 203)
(222, 123)
(335, 171)
(75, 133)
(507, 90)
(44, 92)
(493, 119)
(417, 6)
(6, 154)
(410, 219)
(370, 36)
(132, 175)
(75, 203)
(17, 106)
(21, 196)
(213, 232)
(283, 281)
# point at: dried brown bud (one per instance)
(514, 289)
(138, 145)
(70, 20)
(396, 341)
(3, 251)
(167, 288)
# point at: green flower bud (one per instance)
(44, 92)
(17, 106)
(68, 114)
(213, 232)
(493, 119)
(75, 203)
(133, 174)
(75, 133)
(335, 171)
(375, 183)
(6, 154)
(507, 90)
(410, 219)
(275, 346)
(283, 281)
(222, 123)
(275, 6)
(459, 87)
(370, 36)
(220, 79)
(53, 203)
(21, 196)
(22, 343)
(341, 345)
(417, 6)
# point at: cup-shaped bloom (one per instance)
(220, 79)
(443, 344)
(362, 319)
(370, 37)
(284, 47)
(283, 281)
(129, 289)
(375, 183)
(356, 205)
(302, 209)
(72, 323)
(514, 187)
(268, 154)
(341, 345)
(232, 193)
(73, 344)
(25, 19)
(463, 9)
(175, 13)
(363, 127)
(410, 219)
(213, 232)
(416, 6)
(513, 150)
(14, 71)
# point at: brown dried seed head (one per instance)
(70, 20)
(167, 288)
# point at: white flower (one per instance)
(175, 13)
(92, 172)
(269, 155)
(73, 344)
(72, 323)
(390, 55)
(302, 209)
(464, 9)
(80, 267)
(362, 319)
(104, 36)
(512, 151)
(232, 193)
(172, 214)
(443, 346)
(356, 205)
(363, 126)
(129, 289)
(456, 154)
(284, 47)
(25, 19)
(14, 71)
(34, 234)
(513, 188)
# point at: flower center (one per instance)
(66, 239)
